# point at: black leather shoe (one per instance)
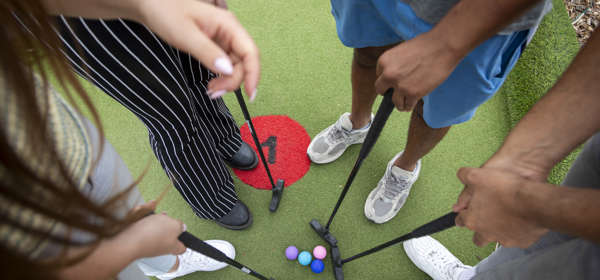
(245, 158)
(238, 218)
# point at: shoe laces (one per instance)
(394, 186)
(444, 263)
(337, 133)
(193, 259)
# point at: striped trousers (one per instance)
(189, 133)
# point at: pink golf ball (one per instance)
(320, 252)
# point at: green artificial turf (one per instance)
(305, 75)
(544, 60)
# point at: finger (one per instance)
(219, 86)
(243, 47)
(410, 102)
(204, 49)
(398, 101)
(465, 175)
(463, 200)
(460, 220)
(382, 84)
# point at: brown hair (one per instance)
(30, 45)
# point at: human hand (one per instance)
(489, 206)
(155, 234)
(414, 68)
(212, 35)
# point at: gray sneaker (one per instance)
(391, 192)
(331, 143)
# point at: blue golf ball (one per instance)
(317, 266)
(304, 258)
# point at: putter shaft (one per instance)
(240, 98)
(437, 225)
(383, 113)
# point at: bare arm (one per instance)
(212, 35)
(508, 200)
(416, 67)
(152, 236)
(563, 119)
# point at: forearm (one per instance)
(106, 261)
(561, 120)
(470, 22)
(106, 9)
(573, 211)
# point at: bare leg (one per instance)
(421, 139)
(363, 78)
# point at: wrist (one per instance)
(531, 199)
(131, 242)
(445, 51)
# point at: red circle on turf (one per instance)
(288, 161)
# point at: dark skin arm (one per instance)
(508, 200)
(416, 67)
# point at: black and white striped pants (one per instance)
(166, 90)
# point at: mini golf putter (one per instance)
(383, 113)
(276, 189)
(194, 243)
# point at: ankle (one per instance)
(410, 167)
(358, 123)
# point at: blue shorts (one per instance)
(373, 23)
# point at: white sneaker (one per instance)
(331, 143)
(433, 258)
(385, 200)
(192, 261)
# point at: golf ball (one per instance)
(304, 258)
(317, 266)
(319, 252)
(291, 253)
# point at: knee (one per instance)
(366, 57)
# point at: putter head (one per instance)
(336, 261)
(323, 233)
(277, 193)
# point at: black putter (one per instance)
(385, 109)
(194, 243)
(277, 189)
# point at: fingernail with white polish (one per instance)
(223, 64)
(217, 94)
(184, 227)
(253, 95)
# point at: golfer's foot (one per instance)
(331, 143)
(434, 259)
(391, 192)
(238, 218)
(192, 261)
(245, 158)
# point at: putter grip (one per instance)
(196, 244)
(437, 225)
(383, 113)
